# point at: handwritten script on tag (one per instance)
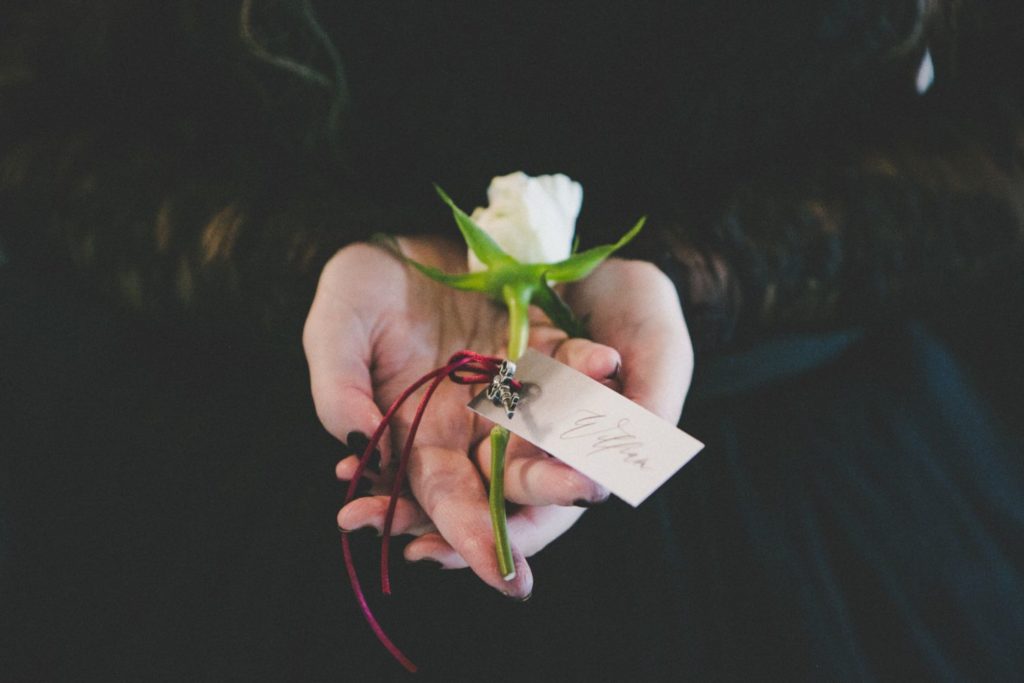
(583, 423)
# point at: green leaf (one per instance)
(555, 307)
(388, 243)
(470, 282)
(578, 266)
(485, 248)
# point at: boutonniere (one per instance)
(519, 248)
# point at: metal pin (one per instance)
(500, 392)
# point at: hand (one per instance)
(375, 326)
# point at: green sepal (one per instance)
(469, 282)
(388, 243)
(548, 300)
(578, 266)
(482, 244)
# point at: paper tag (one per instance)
(617, 443)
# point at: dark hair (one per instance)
(834, 191)
(785, 139)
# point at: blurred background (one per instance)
(847, 245)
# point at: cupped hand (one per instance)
(376, 326)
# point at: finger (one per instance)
(544, 336)
(449, 488)
(648, 329)
(532, 477)
(432, 546)
(371, 482)
(657, 375)
(372, 510)
(346, 468)
(338, 351)
(532, 529)
(594, 360)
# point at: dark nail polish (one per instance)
(427, 563)
(516, 599)
(358, 442)
(615, 373)
(373, 464)
(583, 503)
(363, 486)
(368, 531)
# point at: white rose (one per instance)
(532, 219)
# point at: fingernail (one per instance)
(373, 464)
(363, 486)
(357, 443)
(367, 531)
(584, 503)
(427, 563)
(514, 598)
(614, 374)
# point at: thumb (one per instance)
(338, 352)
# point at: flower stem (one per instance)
(517, 299)
(496, 498)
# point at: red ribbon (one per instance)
(464, 367)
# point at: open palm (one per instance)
(376, 326)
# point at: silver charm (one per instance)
(500, 391)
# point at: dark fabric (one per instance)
(167, 507)
(858, 521)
